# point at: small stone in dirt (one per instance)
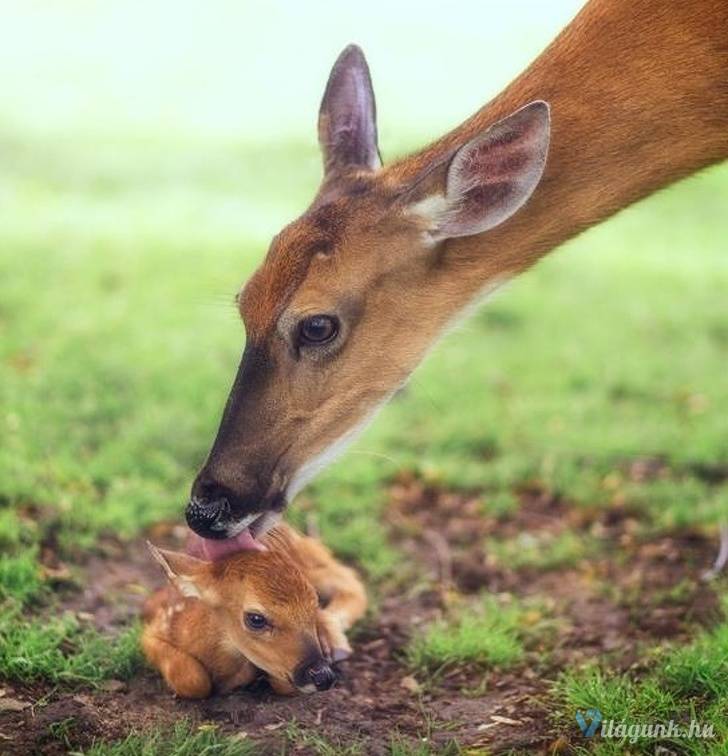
(59, 574)
(409, 683)
(12, 704)
(486, 726)
(374, 644)
(505, 720)
(113, 686)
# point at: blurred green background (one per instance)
(150, 151)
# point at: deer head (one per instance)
(267, 608)
(350, 297)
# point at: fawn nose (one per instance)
(321, 675)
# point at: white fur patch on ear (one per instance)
(430, 212)
(487, 180)
(182, 582)
(431, 209)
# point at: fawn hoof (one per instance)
(340, 654)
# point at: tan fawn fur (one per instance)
(195, 632)
(638, 97)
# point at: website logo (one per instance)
(588, 721)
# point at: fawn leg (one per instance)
(238, 679)
(347, 600)
(182, 672)
(332, 637)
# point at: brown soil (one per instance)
(630, 594)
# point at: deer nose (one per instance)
(213, 507)
(218, 511)
(208, 517)
(321, 675)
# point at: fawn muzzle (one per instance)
(318, 673)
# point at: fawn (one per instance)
(283, 610)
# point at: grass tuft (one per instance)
(700, 669)
(184, 739)
(687, 684)
(489, 634)
(20, 577)
(60, 650)
(542, 551)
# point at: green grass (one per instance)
(20, 577)
(60, 650)
(700, 669)
(184, 739)
(402, 747)
(686, 683)
(541, 551)
(489, 634)
(399, 745)
(321, 746)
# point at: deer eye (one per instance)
(316, 330)
(255, 621)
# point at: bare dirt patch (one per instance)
(631, 594)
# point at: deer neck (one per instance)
(639, 99)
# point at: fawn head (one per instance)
(349, 298)
(267, 608)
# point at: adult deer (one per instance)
(352, 294)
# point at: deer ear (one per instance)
(183, 571)
(490, 177)
(347, 125)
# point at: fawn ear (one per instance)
(183, 571)
(347, 125)
(487, 179)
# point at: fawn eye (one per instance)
(255, 621)
(317, 330)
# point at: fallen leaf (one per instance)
(560, 745)
(12, 704)
(483, 727)
(113, 686)
(505, 720)
(409, 683)
(60, 574)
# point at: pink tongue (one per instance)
(212, 550)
